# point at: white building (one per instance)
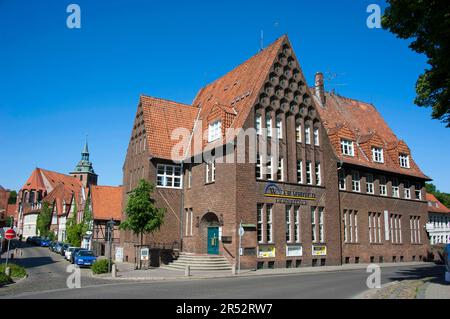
(438, 226)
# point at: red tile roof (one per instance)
(360, 122)
(435, 206)
(106, 202)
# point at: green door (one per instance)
(213, 240)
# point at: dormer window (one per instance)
(404, 160)
(214, 131)
(377, 155)
(347, 148)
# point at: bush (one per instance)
(101, 266)
(5, 280)
(16, 270)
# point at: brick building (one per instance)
(334, 184)
(4, 196)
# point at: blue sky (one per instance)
(59, 84)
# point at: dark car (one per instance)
(30, 240)
(74, 253)
(37, 241)
(63, 249)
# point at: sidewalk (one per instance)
(437, 290)
(126, 271)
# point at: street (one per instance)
(47, 279)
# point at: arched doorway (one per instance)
(209, 228)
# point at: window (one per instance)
(356, 182)
(299, 172)
(269, 169)
(269, 233)
(321, 225)
(374, 228)
(258, 124)
(369, 184)
(298, 131)
(189, 179)
(407, 190)
(297, 224)
(279, 125)
(414, 225)
(383, 188)
(342, 183)
(313, 225)
(308, 173)
(260, 223)
(280, 171)
(288, 224)
(214, 131)
(395, 188)
(317, 224)
(259, 174)
(307, 134)
(269, 124)
(168, 176)
(189, 220)
(347, 148)
(210, 172)
(396, 228)
(316, 136)
(404, 160)
(350, 226)
(418, 192)
(318, 179)
(377, 155)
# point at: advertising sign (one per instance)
(144, 253)
(319, 250)
(294, 251)
(283, 196)
(119, 254)
(266, 251)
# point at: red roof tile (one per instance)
(106, 202)
(435, 206)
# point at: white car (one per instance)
(68, 252)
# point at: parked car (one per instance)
(30, 240)
(37, 241)
(75, 251)
(63, 249)
(45, 242)
(51, 245)
(85, 258)
(58, 248)
(68, 252)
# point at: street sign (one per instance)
(10, 234)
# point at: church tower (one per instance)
(84, 170)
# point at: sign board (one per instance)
(319, 250)
(284, 196)
(294, 251)
(10, 234)
(266, 251)
(144, 253)
(119, 254)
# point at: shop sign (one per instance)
(266, 251)
(294, 251)
(283, 196)
(319, 250)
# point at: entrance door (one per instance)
(213, 240)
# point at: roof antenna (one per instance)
(262, 41)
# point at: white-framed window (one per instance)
(342, 181)
(369, 184)
(313, 225)
(308, 173)
(395, 188)
(279, 125)
(407, 190)
(404, 160)
(318, 174)
(396, 228)
(258, 120)
(260, 227)
(350, 226)
(210, 172)
(418, 192)
(414, 224)
(189, 177)
(383, 187)
(280, 171)
(269, 124)
(374, 228)
(347, 148)
(316, 136)
(298, 132)
(259, 174)
(269, 169)
(269, 232)
(214, 131)
(377, 155)
(297, 224)
(168, 176)
(307, 134)
(189, 220)
(288, 220)
(300, 172)
(356, 182)
(321, 225)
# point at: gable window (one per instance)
(369, 184)
(269, 124)
(308, 173)
(407, 189)
(377, 155)
(307, 134)
(316, 136)
(298, 131)
(418, 192)
(318, 179)
(214, 131)
(395, 188)
(347, 148)
(383, 188)
(258, 120)
(404, 160)
(342, 182)
(356, 182)
(279, 124)
(168, 176)
(299, 172)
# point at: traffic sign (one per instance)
(10, 234)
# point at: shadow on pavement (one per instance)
(436, 274)
(32, 262)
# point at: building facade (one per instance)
(438, 226)
(290, 165)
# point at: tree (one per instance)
(143, 217)
(444, 198)
(12, 197)
(44, 219)
(73, 229)
(427, 23)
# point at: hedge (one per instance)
(5, 280)
(101, 266)
(16, 270)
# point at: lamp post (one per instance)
(110, 228)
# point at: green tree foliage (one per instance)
(444, 198)
(143, 217)
(44, 219)
(12, 197)
(75, 231)
(427, 24)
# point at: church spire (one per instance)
(84, 170)
(85, 152)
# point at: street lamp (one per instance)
(110, 227)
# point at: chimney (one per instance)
(319, 87)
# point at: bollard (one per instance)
(113, 271)
(187, 271)
(233, 269)
(8, 271)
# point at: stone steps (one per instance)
(199, 262)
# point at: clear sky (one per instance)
(59, 84)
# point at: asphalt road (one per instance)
(48, 280)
